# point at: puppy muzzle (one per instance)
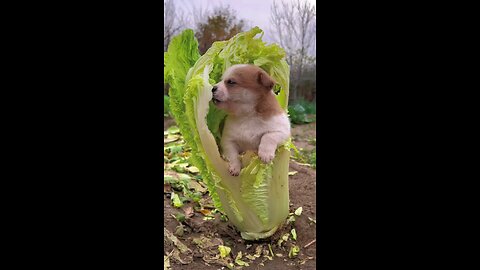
(214, 99)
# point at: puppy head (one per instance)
(242, 88)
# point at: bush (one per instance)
(299, 113)
(310, 107)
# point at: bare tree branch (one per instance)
(294, 26)
(174, 20)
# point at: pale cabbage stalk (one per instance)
(256, 201)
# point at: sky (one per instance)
(255, 12)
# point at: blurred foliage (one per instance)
(306, 157)
(166, 105)
(310, 107)
(302, 112)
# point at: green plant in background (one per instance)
(310, 107)
(257, 201)
(299, 115)
(166, 106)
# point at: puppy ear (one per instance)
(265, 80)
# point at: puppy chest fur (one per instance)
(246, 132)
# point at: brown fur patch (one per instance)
(268, 106)
(265, 80)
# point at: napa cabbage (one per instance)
(256, 201)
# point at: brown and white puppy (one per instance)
(255, 120)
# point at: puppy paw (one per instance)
(266, 156)
(233, 169)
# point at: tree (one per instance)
(174, 20)
(294, 27)
(222, 24)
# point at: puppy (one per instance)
(255, 121)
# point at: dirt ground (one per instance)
(302, 194)
(302, 135)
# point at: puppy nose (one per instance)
(214, 89)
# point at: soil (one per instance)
(302, 194)
(302, 135)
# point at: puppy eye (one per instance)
(231, 82)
